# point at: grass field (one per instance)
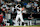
(22, 26)
(19, 26)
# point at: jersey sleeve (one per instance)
(16, 7)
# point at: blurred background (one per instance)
(8, 12)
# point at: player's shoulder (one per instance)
(19, 8)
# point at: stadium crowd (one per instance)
(8, 12)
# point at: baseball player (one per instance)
(19, 13)
(30, 20)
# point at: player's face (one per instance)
(20, 6)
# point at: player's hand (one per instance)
(30, 18)
(18, 4)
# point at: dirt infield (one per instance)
(19, 26)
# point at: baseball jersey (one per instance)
(19, 11)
